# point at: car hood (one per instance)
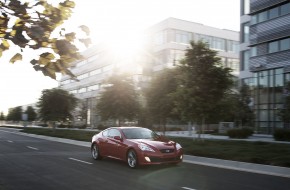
(155, 143)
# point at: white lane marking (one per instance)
(187, 188)
(80, 161)
(10, 141)
(33, 148)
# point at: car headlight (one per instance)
(178, 146)
(144, 147)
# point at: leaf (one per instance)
(5, 44)
(16, 57)
(45, 58)
(33, 62)
(85, 29)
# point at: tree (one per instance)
(160, 102)
(32, 115)
(2, 116)
(235, 106)
(203, 82)
(119, 101)
(15, 114)
(34, 25)
(56, 105)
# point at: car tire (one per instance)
(132, 159)
(95, 152)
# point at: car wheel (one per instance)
(95, 152)
(132, 159)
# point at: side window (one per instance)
(105, 133)
(114, 132)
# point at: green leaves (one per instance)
(34, 31)
(56, 105)
(119, 101)
(202, 82)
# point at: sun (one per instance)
(125, 48)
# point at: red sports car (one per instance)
(136, 146)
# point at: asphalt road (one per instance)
(31, 163)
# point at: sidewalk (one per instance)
(211, 162)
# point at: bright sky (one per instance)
(21, 85)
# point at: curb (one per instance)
(211, 162)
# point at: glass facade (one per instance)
(267, 93)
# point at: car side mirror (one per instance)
(118, 138)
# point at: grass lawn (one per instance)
(277, 154)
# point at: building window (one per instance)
(279, 45)
(83, 76)
(245, 60)
(92, 58)
(273, 13)
(253, 51)
(246, 7)
(94, 87)
(273, 47)
(285, 9)
(82, 90)
(182, 37)
(285, 44)
(233, 46)
(245, 32)
(160, 38)
(263, 16)
(95, 72)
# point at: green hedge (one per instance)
(240, 133)
(282, 134)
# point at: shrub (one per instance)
(282, 134)
(240, 133)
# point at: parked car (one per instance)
(136, 146)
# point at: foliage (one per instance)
(242, 133)
(119, 100)
(31, 113)
(2, 116)
(203, 82)
(235, 106)
(282, 134)
(284, 114)
(160, 103)
(14, 114)
(56, 105)
(34, 25)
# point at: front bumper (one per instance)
(156, 158)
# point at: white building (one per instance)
(167, 41)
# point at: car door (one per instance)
(103, 143)
(114, 144)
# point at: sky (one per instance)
(20, 84)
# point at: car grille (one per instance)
(167, 150)
(171, 159)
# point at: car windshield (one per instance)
(139, 133)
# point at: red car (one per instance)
(136, 146)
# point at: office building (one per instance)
(265, 58)
(167, 41)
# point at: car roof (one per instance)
(124, 127)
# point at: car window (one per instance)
(105, 133)
(114, 132)
(139, 133)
